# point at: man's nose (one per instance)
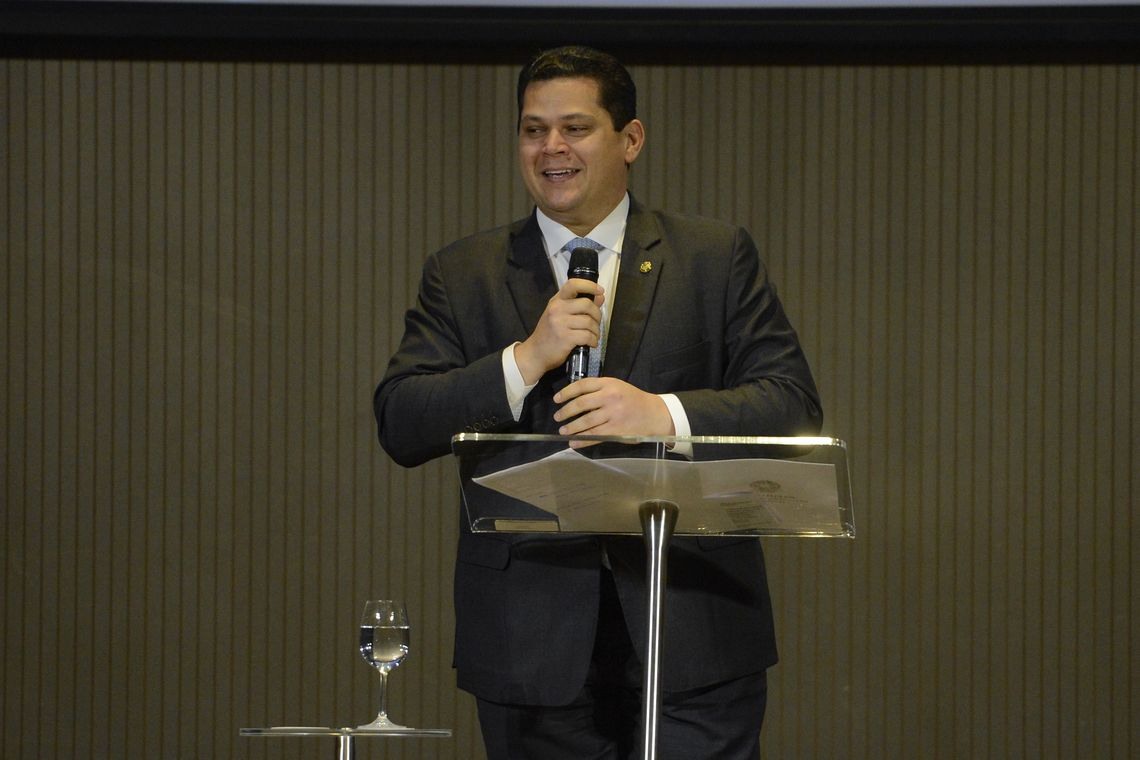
(554, 142)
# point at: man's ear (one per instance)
(634, 134)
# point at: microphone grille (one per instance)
(583, 264)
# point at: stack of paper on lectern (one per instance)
(722, 496)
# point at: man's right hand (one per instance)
(567, 322)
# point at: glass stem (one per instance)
(383, 694)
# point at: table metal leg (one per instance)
(345, 747)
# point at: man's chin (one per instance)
(558, 209)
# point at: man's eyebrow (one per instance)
(563, 117)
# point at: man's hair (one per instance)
(616, 91)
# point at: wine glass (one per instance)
(384, 638)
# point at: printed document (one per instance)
(720, 496)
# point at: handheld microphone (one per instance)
(584, 266)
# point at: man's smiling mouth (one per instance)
(558, 174)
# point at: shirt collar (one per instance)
(610, 232)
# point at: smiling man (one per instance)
(574, 159)
(690, 339)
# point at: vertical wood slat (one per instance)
(1126, 687)
(9, 144)
(206, 266)
(16, 504)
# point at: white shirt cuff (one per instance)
(517, 389)
(680, 423)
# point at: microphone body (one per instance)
(583, 266)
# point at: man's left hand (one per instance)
(608, 406)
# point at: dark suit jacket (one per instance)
(703, 323)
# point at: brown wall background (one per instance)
(204, 270)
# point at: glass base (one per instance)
(381, 723)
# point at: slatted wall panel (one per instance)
(205, 268)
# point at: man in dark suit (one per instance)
(692, 340)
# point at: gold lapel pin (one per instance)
(646, 267)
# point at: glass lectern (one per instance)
(656, 487)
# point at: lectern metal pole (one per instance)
(658, 518)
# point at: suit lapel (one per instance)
(529, 279)
(635, 290)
